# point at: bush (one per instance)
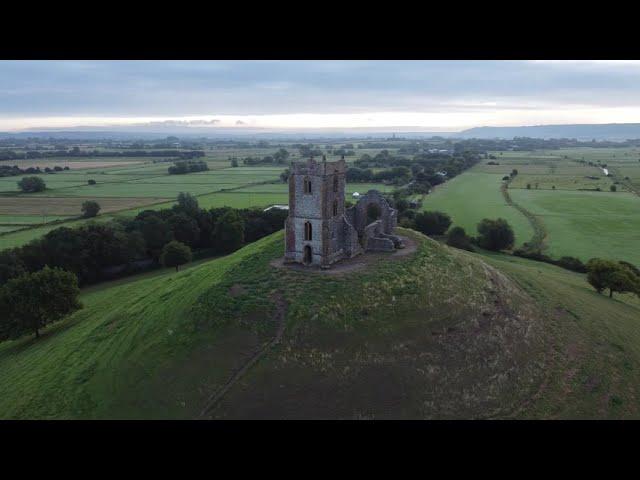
(175, 254)
(432, 223)
(458, 238)
(572, 263)
(613, 188)
(91, 182)
(32, 184)
(495, 235)
(90, 208)
(32, 300)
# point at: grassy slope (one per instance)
(159, 347)
(594, 366)
(125, 355)
(442, 336)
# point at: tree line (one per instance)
(100, 251)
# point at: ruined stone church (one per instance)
(320, 230)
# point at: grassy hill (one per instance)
(439, 333)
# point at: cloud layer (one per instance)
(444, 95)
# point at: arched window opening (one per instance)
(335, 208)
(308, 231)
(307, 185)
(335, 184)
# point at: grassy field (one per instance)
(445, 336)
(587, 224)
(472, 196)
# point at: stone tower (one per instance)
(317, 232)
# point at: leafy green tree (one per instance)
(188, 204)
(495, 235)
(175, 254)
(228, 233)
(458, 238)
(32, 184)
(90, 208)
(234, 162)
(32, 300)
(156, 233)
(432, 223)
(618, 277)
(613, 188)
(185, 229)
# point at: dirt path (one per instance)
(280, 318)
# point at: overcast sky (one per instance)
(432, 95)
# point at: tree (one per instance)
(228, 233)
(175, 254)
(234, 162)
(616, 276)
(32, 184)
(91, 182)
(33, 300)
(156, 232)
(495, 235)
(432, 223)
(185, 229)
(458, 238)
(90, 208)
(188, 204)
(613, 188)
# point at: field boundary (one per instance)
(539, 230)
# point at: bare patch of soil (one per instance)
(236, 290)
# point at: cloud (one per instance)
(184, 93)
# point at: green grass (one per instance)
(594, 355)
(158, 347)
(586, 224)
(472, 196)
(443, 336)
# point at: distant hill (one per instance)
(605, 131)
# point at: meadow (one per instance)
(126, 185)
(577, 219)
(472, 196)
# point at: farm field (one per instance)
(587, 224)
(472, 196)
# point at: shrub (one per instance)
(458, 238)
(572, 263)
(495, 235)
(90, 208)
(32, 184)
(613, 188)
(175, 254)
(91, 182)
(432, 223)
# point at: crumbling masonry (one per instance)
(320, 231)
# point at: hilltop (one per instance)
(439, 333)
